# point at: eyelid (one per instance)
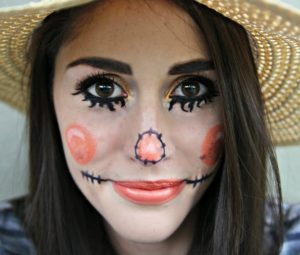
(119, 81)
(177, 82)
(115, 78)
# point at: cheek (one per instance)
(80, 143)
(212, 145)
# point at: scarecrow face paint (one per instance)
(80, 143)
(149, 147)
(141, 129)
(211, 146)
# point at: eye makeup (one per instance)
(192, 91)
(102, 89)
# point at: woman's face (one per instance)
(138, 112)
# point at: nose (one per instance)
(150, 148)
(147, 139)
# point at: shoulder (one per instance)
(12, 235)
(291, 235)
(291, 243)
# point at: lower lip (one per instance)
(148, 193)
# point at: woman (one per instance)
(147, 132)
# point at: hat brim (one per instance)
(274, 28)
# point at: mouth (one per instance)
(149, 192)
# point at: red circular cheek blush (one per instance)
(212, 145)
(81, 143)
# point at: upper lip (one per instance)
(150, 185)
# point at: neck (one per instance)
(178, 243)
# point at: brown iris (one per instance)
(190, 89)
(104, 90)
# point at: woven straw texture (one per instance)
(276, 34)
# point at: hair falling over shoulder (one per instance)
(231, 213)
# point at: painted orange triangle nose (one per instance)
(149, 147)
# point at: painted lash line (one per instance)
(83, 86)
(98, 179)
(191, 103)
(198, 101)
(102, 102)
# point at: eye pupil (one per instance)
(104, 90)
(190, 89)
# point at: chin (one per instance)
(144, 224)
(147, 226)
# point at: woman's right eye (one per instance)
(105, 90)
(101, 90)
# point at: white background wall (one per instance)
(13, 164)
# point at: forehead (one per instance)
(138, 32)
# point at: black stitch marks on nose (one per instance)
(139, 146)
(91, 177)
(200, 180)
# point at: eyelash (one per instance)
(99, 78)
(87, 83)
(200, 100)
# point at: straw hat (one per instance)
(274, 28)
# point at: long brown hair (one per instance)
(231, 212)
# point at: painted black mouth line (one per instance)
(200, 180)
(98, 179)
(91, 177)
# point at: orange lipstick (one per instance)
(149, 192)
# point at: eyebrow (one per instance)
(109, 64)
(103, 63)
(196, 65)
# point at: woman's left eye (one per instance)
(102, 90)
(191, 91)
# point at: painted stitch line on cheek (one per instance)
(98, 179)
(81, 143)
(212, 145)
(198, 180)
